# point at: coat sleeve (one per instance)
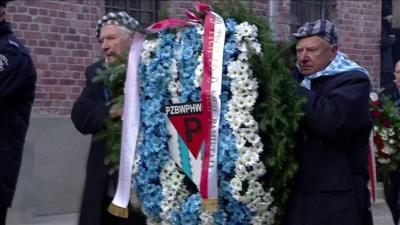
(342, 112)
(90, 111)
(17, 73)
(387, 41)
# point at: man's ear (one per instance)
(334, 49)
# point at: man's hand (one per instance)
(116, 111)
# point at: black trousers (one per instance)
(3, 214)
(392, 191)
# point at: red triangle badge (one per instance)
(187, 118)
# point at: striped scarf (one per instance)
(340, 64)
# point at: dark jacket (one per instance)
(387, 64)
(387, 41)
(330, 186)
(17, 89)
(396, 46)
(89, 113)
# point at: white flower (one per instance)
(148, 48)
(240, 166)
(235, 124)
(256, 47)
(243, 48)
(243, 57)
(383, 161)
(391, 132)
(244, 30)
(240, 142)
(388, 150)
(384, 134)
(200, 29)
(174, 87)
(206, 218)
(250, 158)
(236, 184)
(259, 169)
(178, 36)
(199, 71)
(253, 138)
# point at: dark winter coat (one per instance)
(396, 46)
(17, 89)
(387, 42)
(331, 183)
(89, 113)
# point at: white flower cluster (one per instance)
(206, 218)
(246, 37)
(384, 161)
(199, 72)
(175, 87)
(244, 94)
(387, 135)
(199, 69)
(174, 191)
(148, 48)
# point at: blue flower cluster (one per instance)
(189, 214)
(187, 62)
(153, 151)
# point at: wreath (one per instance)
(260, 112)
(386, 134)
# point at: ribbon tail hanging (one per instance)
(130, 130)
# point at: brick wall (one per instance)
(359, 25)
(60, 37)
(281, 13)
(61, 40)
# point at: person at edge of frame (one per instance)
(17, 91)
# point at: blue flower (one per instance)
(190, 210)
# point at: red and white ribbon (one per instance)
(214, 39)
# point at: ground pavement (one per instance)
(380, 212)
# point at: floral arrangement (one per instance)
(385, 134)
(260, 111)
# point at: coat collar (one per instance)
(5, 28)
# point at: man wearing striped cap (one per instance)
(330, 186)
(93, 107)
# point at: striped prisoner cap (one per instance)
(322, 28)
(120, 19)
